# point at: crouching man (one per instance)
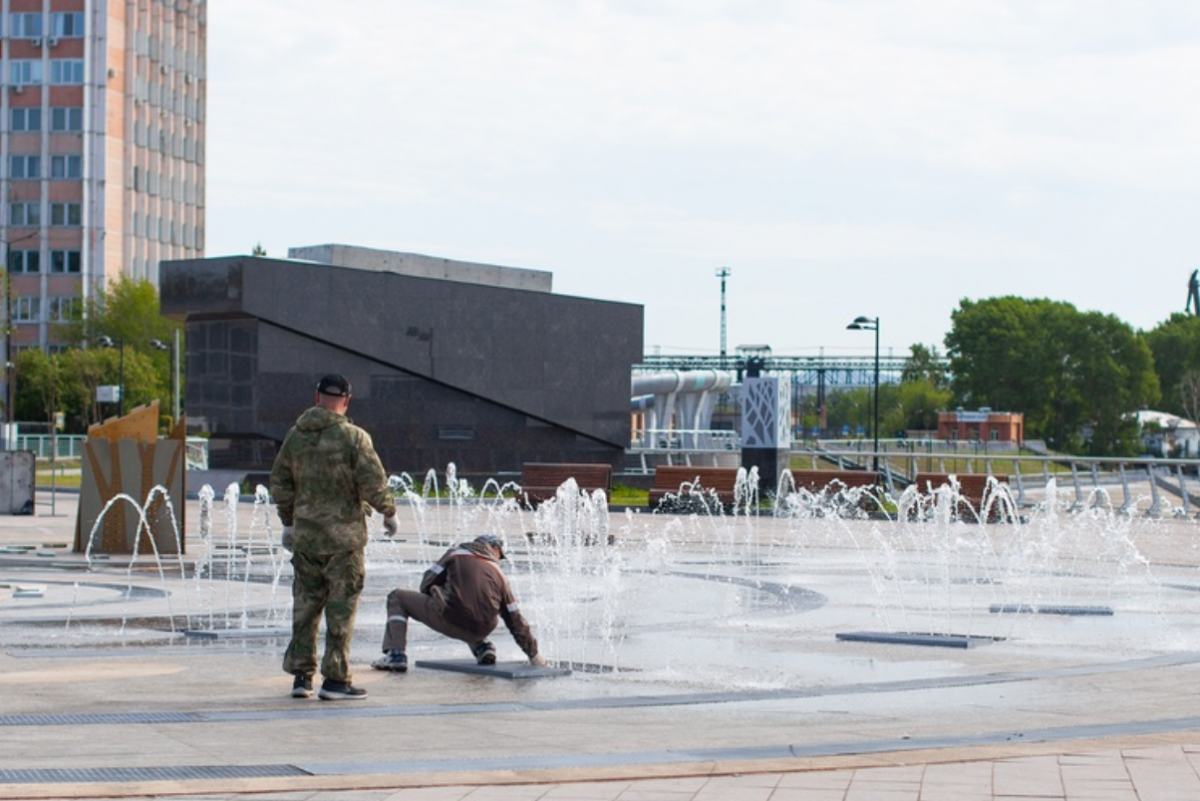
(462, 595)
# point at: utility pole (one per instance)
(723, 273)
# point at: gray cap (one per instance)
(494, 542)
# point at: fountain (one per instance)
(757, 596)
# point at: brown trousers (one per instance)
(428, 609)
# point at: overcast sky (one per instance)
(844, 157)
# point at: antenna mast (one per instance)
(723, 273)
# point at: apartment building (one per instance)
(101, 149)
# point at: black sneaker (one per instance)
(485, 653)
(340, 691)
(394, 661)
(302, 686)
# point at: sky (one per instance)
(886, 158)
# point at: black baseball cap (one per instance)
(334, 384)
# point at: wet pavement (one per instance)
(705, 664)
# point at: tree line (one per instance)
(1078, 377)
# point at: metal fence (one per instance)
(70, 446)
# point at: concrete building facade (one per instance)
(102, 119)
(467, 369)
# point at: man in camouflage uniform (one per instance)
(325, 481)
(463, 595)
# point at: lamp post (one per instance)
(158, 344)
(109, 342)
(868, 324)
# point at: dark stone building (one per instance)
(473, 369)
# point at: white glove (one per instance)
(537, 660)
(288, 539)
(391, 525)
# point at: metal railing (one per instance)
(1125, 483)
(70, 446)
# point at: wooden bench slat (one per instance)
(817, 481)
(540, 480)
(971, 487)
(669, 478)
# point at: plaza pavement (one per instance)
(147, 718)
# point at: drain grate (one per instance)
(88, 720)
(152, 774)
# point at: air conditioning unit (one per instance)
(18, 88)
(162, 68)
(36, 41)
(53, 42)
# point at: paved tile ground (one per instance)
(230, 707)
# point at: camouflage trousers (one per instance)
(428, 609)
(328, 584)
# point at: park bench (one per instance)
(669, 478)
(818, 481)
(833, 487)
(971, 489)
(540, 480)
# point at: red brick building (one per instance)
(983, 425)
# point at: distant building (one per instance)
(451, 362)
(1168, 435)
(102, 117)
(983, 425)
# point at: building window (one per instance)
(66, 166)
(24, 167)
(26, 25)
(24, 213)
(27, 310)
(66, 24)
(66, 72)
(66, 214)
(60, 310)
(65, 261)
(66, 118)
(24, 72)
(24, 261)
(26, 119)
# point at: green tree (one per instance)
(38, 385)
(128, 312)
(911, 406)
(925, 364)
(851, 408)
(1076, 376)
(1175, 344)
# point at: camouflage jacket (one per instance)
(325, 481)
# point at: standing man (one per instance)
(325, 481)
(463, 595)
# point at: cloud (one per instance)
(615, 142)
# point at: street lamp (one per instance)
(868, 324)
(109, 342)
(158, 344)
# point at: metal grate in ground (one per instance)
(151, 774)
(109, 718)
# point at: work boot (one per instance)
(394, 661)
(340, 691)
(485, 653)
(302, 686)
